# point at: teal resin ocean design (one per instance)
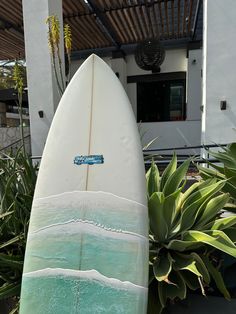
(74, 243)
(87, 292)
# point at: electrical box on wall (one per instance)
(223, 104)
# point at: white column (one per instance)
(194, 85)
(42, 89)
(219, 75)
(118, 65)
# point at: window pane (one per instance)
(160, 101)
(176, 101)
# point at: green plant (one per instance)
(19, 85)
(226, 171)
(54, 46)
(17, 183)
(7, 73)
(68, 47)
(185, 232)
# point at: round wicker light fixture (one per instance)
(149, 55)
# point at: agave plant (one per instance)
(17, 182)
(227, 171)
(185, 231)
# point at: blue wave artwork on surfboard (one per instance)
(89, 160)
(87, 246)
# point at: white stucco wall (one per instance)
(219, 75)
(172, 134)
(175, 61)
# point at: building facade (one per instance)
(167, 105)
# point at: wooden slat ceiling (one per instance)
(11, 30)
(105, 23)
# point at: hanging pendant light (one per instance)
(150, 54)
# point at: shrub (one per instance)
(17, 182)
(185, 232)
(225, 171)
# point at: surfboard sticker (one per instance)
(87, 246)
(89, 160)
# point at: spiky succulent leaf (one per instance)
(208, 173)
(201, 267)
(194, 188)
(185, 262)
(162, 267)
(217, 277)
(158, 225)
(174, 181)
(170, 207)
(182, 245)
(204, 190)
(153, 179)
(224, 223)
(212, 208)
(215, 238)
(227, 157)
(190, 279)
(185, 227)
(191, 210)
(170, 169)
(9, 290)
(13, 261)
(231, 174)
(17, 182)
(175, 289)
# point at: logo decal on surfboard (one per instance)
(89, 160)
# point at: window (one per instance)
(161, 100)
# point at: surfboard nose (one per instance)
(94, 58)
(89, 66)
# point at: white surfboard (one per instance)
(87, 248)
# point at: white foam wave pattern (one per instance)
(90, 198)
(92, 275)
(90, 227)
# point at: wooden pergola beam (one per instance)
(138, 4)
(195, 22)
(4, 24)
(104, 22)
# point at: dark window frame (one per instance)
(169, 76)
(162, 77)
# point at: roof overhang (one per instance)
(106, 26)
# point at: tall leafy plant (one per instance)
(185, 232)
(54, 46)
(17, 183)
(7, 73)
(19, 84)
